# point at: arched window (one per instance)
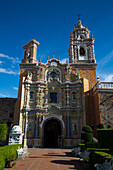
(82, 51)
(31, 95)
(74, 97)
(81, 37)
(82, 54)
(53, 74)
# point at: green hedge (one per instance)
(82, 147)
(99, 157)
(2, 162)
(92, 145)
(98, 149)
(87, 137)
(8, 153)
(87, 129)
(100, 126)
(105, 138)
(3, 132)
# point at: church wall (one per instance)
(7, 106)
(106, 107)
(89, 74)
(18, 103)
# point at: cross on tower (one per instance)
(78, 16)
(53, 54)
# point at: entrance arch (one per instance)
(52, 133)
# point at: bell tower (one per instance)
(81, 53)
(81, 49)
(30, 50)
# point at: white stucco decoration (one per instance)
(53, 64)
(16, 130)
(16, 135)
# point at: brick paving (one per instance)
(51, 159)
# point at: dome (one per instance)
(16, 129)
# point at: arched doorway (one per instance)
(52, 134)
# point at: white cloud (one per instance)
(1, 62)
(63, 61)
(106, 77)
(109, 78)
(15, 88)
(106, 59)
(2, 70)
(14, 60)
(4, 95)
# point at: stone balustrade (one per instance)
(106, 84)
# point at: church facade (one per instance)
(56, 100)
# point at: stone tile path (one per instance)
(51, 159)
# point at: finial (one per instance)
(40, 60)
(34, 38)
(58, 57)
(53, 54)
(48, 57)
(91, 35)
(74, 26)
(66, 60)
(78, 16)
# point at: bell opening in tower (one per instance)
(82, 54)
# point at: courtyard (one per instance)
(51, 159)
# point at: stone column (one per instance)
(68, 98)
(65, 126)
(37, 96)
(68, 125)
(36, 131)
(27, 95)
(75, 52)
(25, 129)
(72, 53)
(39, 125)
(46, 96)
(60, 97)
(40, 98)
(92, 52)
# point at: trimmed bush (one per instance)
(2, 162)
(3, 132)
(8, 153)
(109, 126)
(87, 129)
(92, 145)
(100, 126)
(87, 137)
(105, 138)
(99, 157)
(98, 149)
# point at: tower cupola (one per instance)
(30, 50)
(81, 49)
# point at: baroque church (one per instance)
(56, 100)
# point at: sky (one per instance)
(50, 23)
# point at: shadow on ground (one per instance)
(67, 154)
(79, 165)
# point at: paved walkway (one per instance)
(50, 159)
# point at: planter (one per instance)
(10, 164)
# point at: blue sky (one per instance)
(50, 22)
